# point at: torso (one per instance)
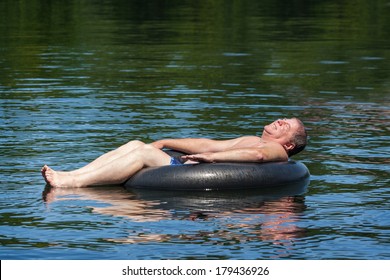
(248, 142)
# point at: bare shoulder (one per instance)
(271, 144)
(274, 151)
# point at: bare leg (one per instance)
(102, 160)
(116, 171)
(110, 156)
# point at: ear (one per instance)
(289, 146)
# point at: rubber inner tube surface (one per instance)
(220, 176)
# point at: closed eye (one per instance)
(287, 124)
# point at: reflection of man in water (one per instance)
(251, 217)
(279, 140)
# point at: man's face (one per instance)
(281, 130)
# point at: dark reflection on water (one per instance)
(80, 78)
(208, 218)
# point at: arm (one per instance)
(260, 154)
(198, 145)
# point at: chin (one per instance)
(267, 129)
(266, 132)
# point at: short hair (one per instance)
(299, 139)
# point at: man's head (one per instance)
(290, 133)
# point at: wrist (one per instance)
(212, 157)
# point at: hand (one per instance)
(205, 157)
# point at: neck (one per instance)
(269, 138)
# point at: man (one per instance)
(279, 140)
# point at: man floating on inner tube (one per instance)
(279, 140)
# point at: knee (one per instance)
(146, 148)
(143, 153)
(131, 146)
(140, 147)
(148, 155)
(135, 143)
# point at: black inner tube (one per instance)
(220, 176)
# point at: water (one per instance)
(82, 77)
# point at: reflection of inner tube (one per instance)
(221, 201)
(219, 176)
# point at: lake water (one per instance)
(79, 78)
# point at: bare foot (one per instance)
(57, 179)
(44, 168)
(43, 171)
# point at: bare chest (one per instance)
(249, 142)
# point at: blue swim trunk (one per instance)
(175, 161)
